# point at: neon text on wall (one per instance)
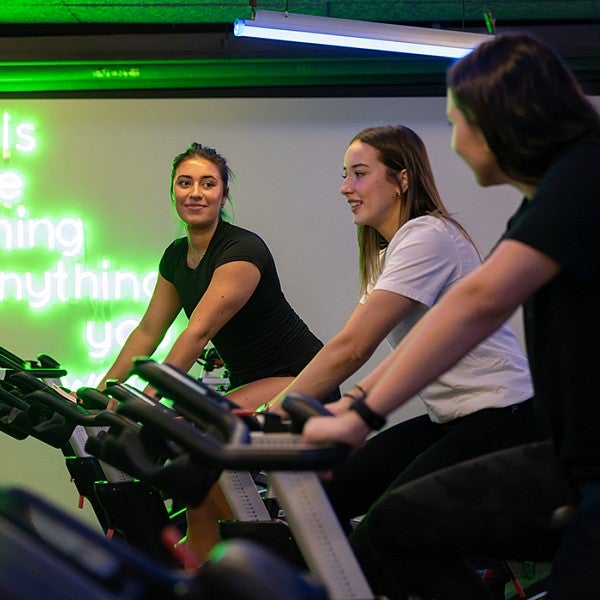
(53, 277)
(19, 138)
(21, 233)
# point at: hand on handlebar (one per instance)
(339, 407)
(345, 428)
(151, 391)
(275, 408)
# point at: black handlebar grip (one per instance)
(92, 398)
(302, 407)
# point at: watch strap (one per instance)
(370, 417)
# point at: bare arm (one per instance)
(230, 288)
(144, 339)
(350, 349)
(470, 312)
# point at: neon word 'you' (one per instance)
(105, 338)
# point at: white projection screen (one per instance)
(85, 215)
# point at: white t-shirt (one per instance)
(422, 261)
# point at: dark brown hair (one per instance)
(527, 103)
(196, 150)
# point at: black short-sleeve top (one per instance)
(562, 319)
(265, 337)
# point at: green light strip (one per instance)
(144, 75)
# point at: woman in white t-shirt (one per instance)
(411, 251)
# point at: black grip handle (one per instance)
(47, 361)
(92, 398)
(76, 414)
(302, 407)
(8, 359)
(49, 367)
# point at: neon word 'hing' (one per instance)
(65, 235)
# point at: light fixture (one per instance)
(367, 35)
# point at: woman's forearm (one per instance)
(137, 344)
(187, 348)
(330, 367)
(352, 347)
(442, 338)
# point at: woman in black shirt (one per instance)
(224, 278)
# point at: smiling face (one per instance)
(198, 192)
(373, 196)
(469, 143)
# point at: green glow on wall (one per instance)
(51, 275)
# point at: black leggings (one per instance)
(418, 447)
(502, 505)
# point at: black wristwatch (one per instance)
(370, 417)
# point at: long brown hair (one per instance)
(399, 148)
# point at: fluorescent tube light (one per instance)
(358, 34)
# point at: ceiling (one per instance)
(208, 11)
(176, 47)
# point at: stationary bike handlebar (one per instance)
(31, 413)
(189, 395)
(44, 367)
(235, 449)
(46, 398)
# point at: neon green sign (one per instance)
(19, 136)
(73, 281)
(65, 235)
(50, 278)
